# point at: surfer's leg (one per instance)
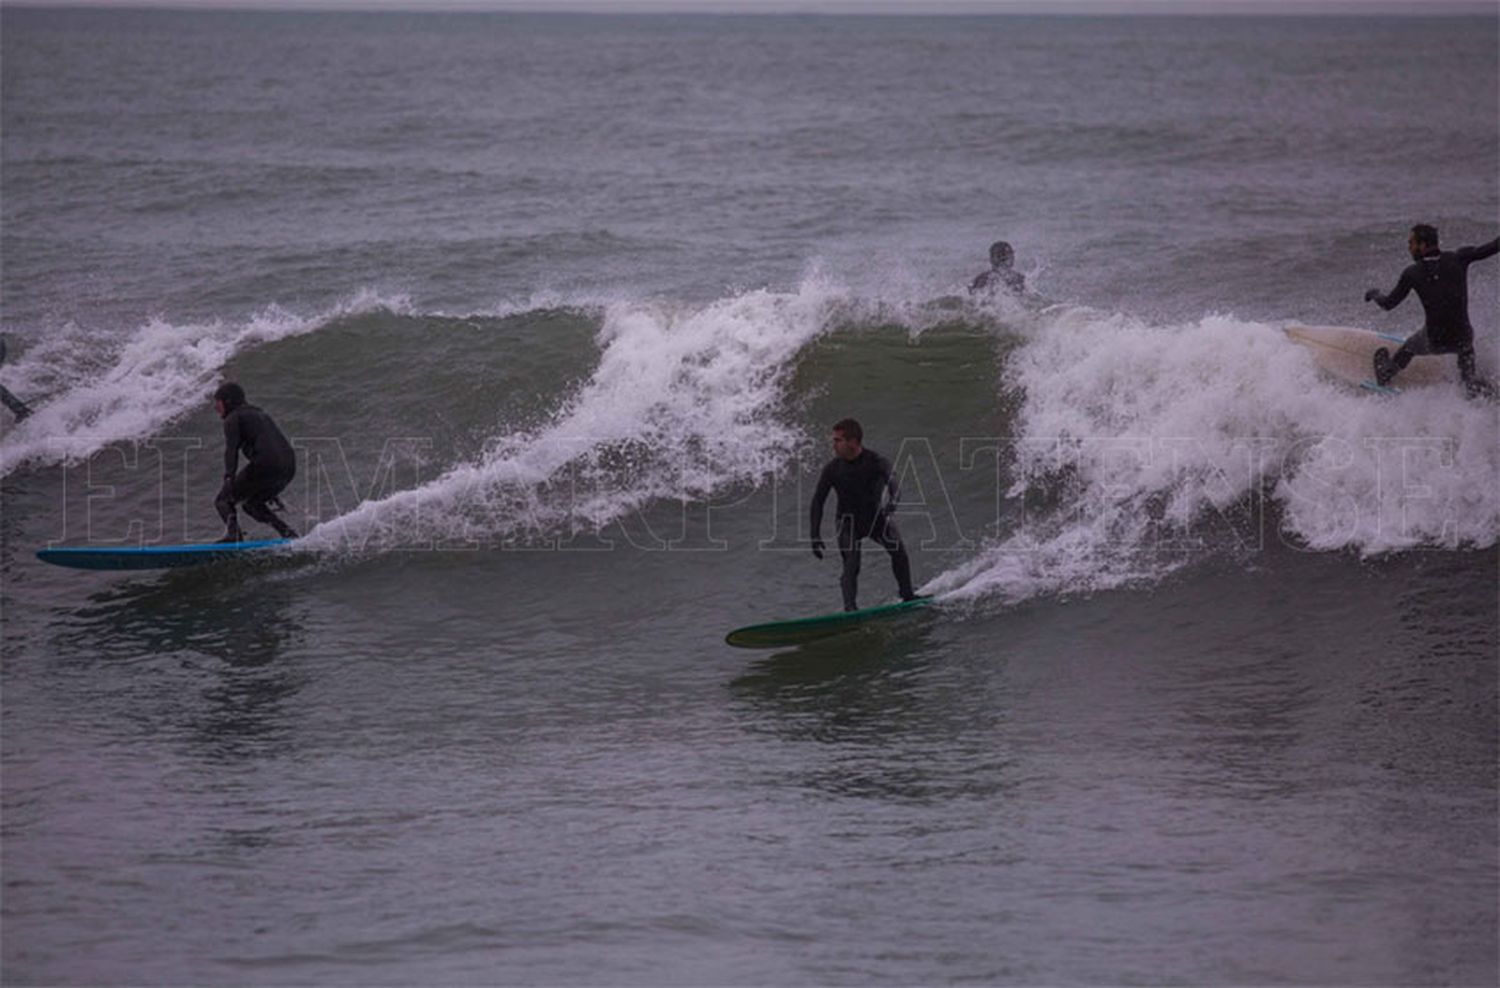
(1388, 365)
(889, 536)
(849, 550)
(1474, 385)
(1416, 345)
(261, 489)
(224, 504)
(261, 512)
(16, 405)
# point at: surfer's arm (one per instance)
(820, 494)
(1388, 302)
(1479, 253)
(892, 487)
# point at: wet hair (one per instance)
(1426, 234)
(850, 429)
(1002, 253)
(231, 394)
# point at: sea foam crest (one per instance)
(159, 372)
(1149, 435)
(684, 400)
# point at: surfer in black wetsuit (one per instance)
(1002, 275)
(861, 477)
(270, 463)
(17, 407)
(1441, 280)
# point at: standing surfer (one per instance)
(861, 477)
(270, 463)
(1441, 280)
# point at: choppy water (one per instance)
(558, 310)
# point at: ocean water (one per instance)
(558, 311)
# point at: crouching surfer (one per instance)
(1441, 280)
(270, 464)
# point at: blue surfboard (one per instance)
(154, 556)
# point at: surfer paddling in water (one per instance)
(270, 464)
(1002, 275)
(1441, 280)
(862, 478)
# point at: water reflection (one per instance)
(203, 654)
(892, 714)
(841, 688)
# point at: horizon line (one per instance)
(1404, 9)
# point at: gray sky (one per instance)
(1405, 7)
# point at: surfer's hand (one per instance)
(1372, 295)
(818, 547)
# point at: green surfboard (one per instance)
(798, 631)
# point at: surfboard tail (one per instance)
(799, 631)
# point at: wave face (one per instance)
(102, 389)
(626, 288)
(683, 401)
(1162, 442)
(1127, 449)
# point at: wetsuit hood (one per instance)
(231, 394)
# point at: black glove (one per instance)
(818, 548)
(1372, 295)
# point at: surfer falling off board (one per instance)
(1441, 280)
(862, 478)
(270, 464)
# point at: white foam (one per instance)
(1148, 431)
(159, 372)
(684, 401)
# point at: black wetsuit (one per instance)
(1009, 279)
(1441, 281)
(271, 465)
(16, 405)
(861, 484)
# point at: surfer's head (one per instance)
(1002, 255)
(848, 439)
(1423, 240)
(228, 397)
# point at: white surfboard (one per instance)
(1349, 355)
